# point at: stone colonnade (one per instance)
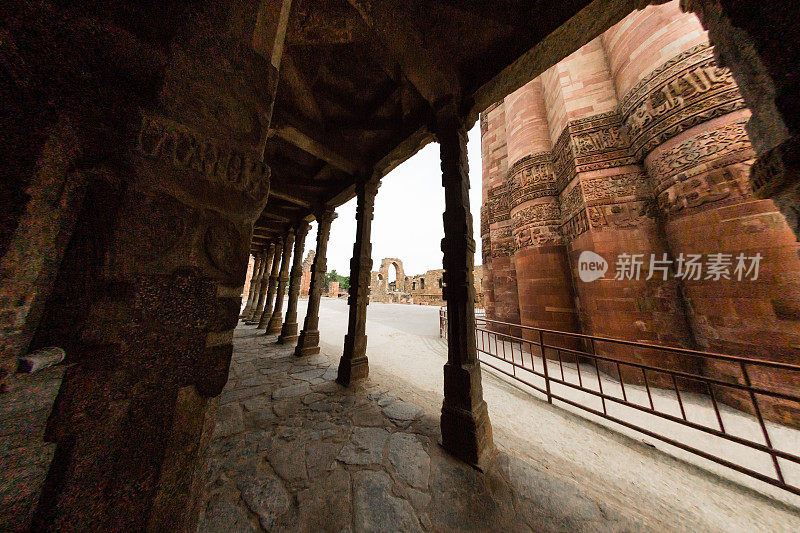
(636, 144)
(145, 202)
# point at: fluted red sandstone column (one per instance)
(487, 137)
(504, 279)
(544, 284)
(687, 120)
(605, 209)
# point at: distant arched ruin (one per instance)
(418, 289)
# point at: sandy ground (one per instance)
(404, 341)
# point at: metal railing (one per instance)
(742, 413)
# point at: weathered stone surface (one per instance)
(376, 509)
(409, 459)
(263, 493)
(223, 514)
(40, 359)
(368, 415)
(365, 446)
(290, 391)
(229, 421)
(321, 456)
(402, 413)
(328, 506)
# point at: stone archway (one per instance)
(399, 284)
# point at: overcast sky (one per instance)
(408, 215)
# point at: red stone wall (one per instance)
(644, 134)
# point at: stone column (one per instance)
(134, 414)
(275, 321)
(289, 329)
(258, 308)
(308, 342)
(353, 364)
(466, 429)
(254, 281)
(271, 286)
(544, 284)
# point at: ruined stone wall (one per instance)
(423, 289)
(305, 280)
(636, 144)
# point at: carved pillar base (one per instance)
(466, 429)
(275, 324)
(356, 365)
(288, 333)
(307, 343)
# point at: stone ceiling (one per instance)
(359, 80)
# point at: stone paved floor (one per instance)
(294, 451)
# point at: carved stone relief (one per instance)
(532, 177)
(687, 90)
(728, 144)
(593, 143)
(181, 147)
(499, 208)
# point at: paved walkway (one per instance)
(295, 451)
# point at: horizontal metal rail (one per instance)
(528, 354)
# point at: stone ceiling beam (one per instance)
(302, 92)
(293, 197)
(301, 140)
(387, 19)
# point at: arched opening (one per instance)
(393, 277)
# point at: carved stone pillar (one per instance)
(289, 329)
(308, 342)
(275, 321)
(134, 414)
(271, 286)
(254, 280)
(353, 364)
(466, 430)
(260, 297)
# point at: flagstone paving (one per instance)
(295, 451)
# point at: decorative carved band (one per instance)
(575, 225)
(687, 90)
(614, 188)
(619, 215)
(571, 200)
(175, 144)
(727, 145)
(532, 177)
(588, 144)
(502, 242)
(499, 207)
(537, 225)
